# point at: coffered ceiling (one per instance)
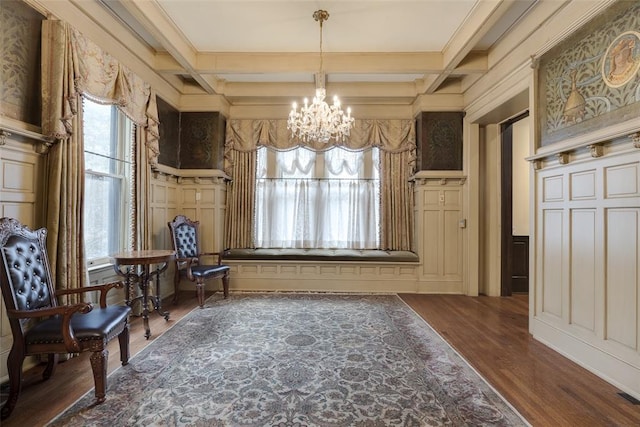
(375, 51)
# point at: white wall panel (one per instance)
(622, 180)
(553, 187)
(583, 268)
(552, 263)
(587, 252)
(622, 276)
(583, 185)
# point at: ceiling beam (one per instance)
(155, 21)
(480, 21)
(304, 62)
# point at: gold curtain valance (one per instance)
(95, 74)
(389, 135)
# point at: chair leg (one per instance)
(52, 362)
(225, 284)
(123, 340)
(200, 292)
(99, 368)
(14, 366)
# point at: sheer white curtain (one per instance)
(307, 199)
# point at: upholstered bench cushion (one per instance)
(321, 255)
(99, 323)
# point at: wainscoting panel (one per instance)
(583, 185)
(452, 245)
(439, 231)
(553, 188)
(347, 276)
(587, 251)
(622, 276)
(430, 242)
(552, 264)
(198, 194)
(622, 181)
(21, 184)
(583, 268)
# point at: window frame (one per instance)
(267, 168)
(121, 143)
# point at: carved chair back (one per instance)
(184, 233)
(26, 278)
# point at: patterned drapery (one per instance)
(395, 139)
(90, 71)
(73, 66)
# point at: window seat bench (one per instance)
(329, 255)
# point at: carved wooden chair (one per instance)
(42, 327)
(184, 234)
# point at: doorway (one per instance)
(514, 206)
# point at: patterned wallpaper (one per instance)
(20, 29)
(593, 78)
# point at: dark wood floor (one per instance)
(491, 333)
(548, 389)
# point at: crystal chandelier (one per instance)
(318, 121)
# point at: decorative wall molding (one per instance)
(196, 176)
(635, 137)
(609, 133)
(439, 178)
(563, 158)
(12, 128)
(3, 136)
(596, 150)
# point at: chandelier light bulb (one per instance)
(318, 121)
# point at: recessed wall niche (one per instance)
(201, 140)
(191, 140)
(169, 130)
(439, 140)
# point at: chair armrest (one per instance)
(187, 262)
(66, 311)
(218, 254)
(104, 288)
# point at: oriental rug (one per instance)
(281, 359)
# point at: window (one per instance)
(307, 199)
(108, 141)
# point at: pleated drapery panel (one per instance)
(240, 200)
(73, 66)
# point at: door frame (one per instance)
(506, 202)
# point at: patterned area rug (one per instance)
(297, 360)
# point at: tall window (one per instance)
(108, 141)
(307, 199)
